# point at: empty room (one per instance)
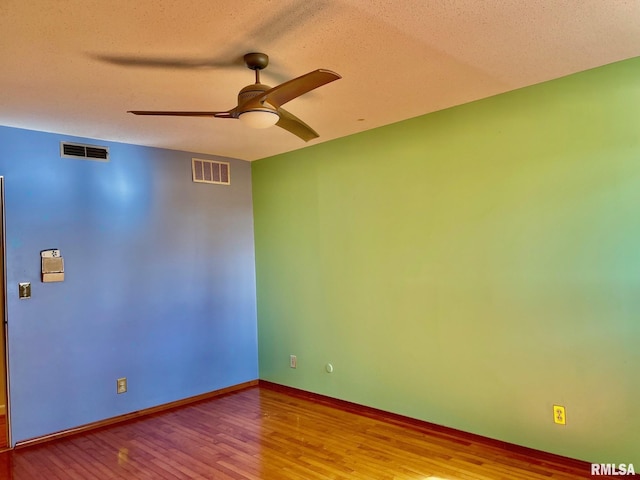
(329, 239)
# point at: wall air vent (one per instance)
(210, 171)
(88, 152)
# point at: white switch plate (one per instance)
(293, 361)
(24, 290)
(122, 385)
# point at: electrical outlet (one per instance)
(121, 385)
(293, 361)
(559, 415)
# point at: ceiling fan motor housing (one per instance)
(256, 115)
(254, 90)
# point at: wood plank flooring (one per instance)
(261, 433)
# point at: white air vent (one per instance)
(209, 171)
(88, 152)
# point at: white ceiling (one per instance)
(398, 59)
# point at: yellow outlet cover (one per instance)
(559, 415)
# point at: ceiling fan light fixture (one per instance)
(259, 118)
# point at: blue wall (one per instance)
(159, 286)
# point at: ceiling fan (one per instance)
(260, 106)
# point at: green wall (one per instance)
(471, 267)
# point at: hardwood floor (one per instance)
(262, 433)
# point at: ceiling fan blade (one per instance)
(228, 114)
(278, 96)
(293, 124)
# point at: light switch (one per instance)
(24, 290)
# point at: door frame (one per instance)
(3, 307)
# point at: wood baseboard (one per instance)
(536, 456)
(133, 415)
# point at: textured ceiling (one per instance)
(398, 60)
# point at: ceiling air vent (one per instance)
(209, 171)
(88, 152)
